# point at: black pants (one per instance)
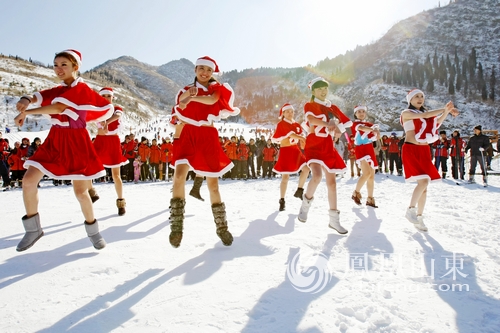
(267, 169)
(129, 171)
(242, 169)
(394, 159)
(250, 167)
(260, 163)
(473, 162)
(441, 160)
(457, 167)
(156, 170)
(4, 172)
(144, 171)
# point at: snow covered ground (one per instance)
(280, 275)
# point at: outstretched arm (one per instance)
(56, 108)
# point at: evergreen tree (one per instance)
(430, 83)
(435, 62)
(484, 92)
(465, 67)
(480, 78)
(451, 86)
(458, 83)
(384, 76)
(472, 64)
(493, 82)
(442, 71)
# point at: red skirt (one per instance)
(366, 153)
(67, 153)
(109, 149)
(199, 148)
(321, 150)
(290, 160)
(417, 163)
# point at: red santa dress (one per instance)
(198, 145)
(67, 152)
(108, 146)
(364, 143)
(290, 159)
(417, 159)
(319, 143)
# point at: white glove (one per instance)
(481, 149)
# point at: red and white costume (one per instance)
(198, 145)
(319, 143)
(417, 159)
(290, 159)
(108, 146)
(67, 152)
(364, 143)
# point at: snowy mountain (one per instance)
(455, 47)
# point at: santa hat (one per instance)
(313, 81)
(285, 107)
(360, 107)
(207, 61)
(106, 91)
(76, 54)
(412, 94)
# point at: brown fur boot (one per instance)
(93, 195)
(176, 221)
(121, 203)
(219, 211)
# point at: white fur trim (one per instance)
(313, 81)
(205, 62)
(320, 162)
(360, 107)
(63, 177)
(106, 92)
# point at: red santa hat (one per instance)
(207, 61)
(106, 91)
(360, 107)
(285, 107)
(76, 54)
(313, 81)
(412, 94)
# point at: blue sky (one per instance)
(237, 34)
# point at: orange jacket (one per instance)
(269, 153)
(155, 154)
(231, 150)
(144, 152)
(167, 150)
(15, 162)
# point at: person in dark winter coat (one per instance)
(33, 147)
(477, 145)
(457, 146)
